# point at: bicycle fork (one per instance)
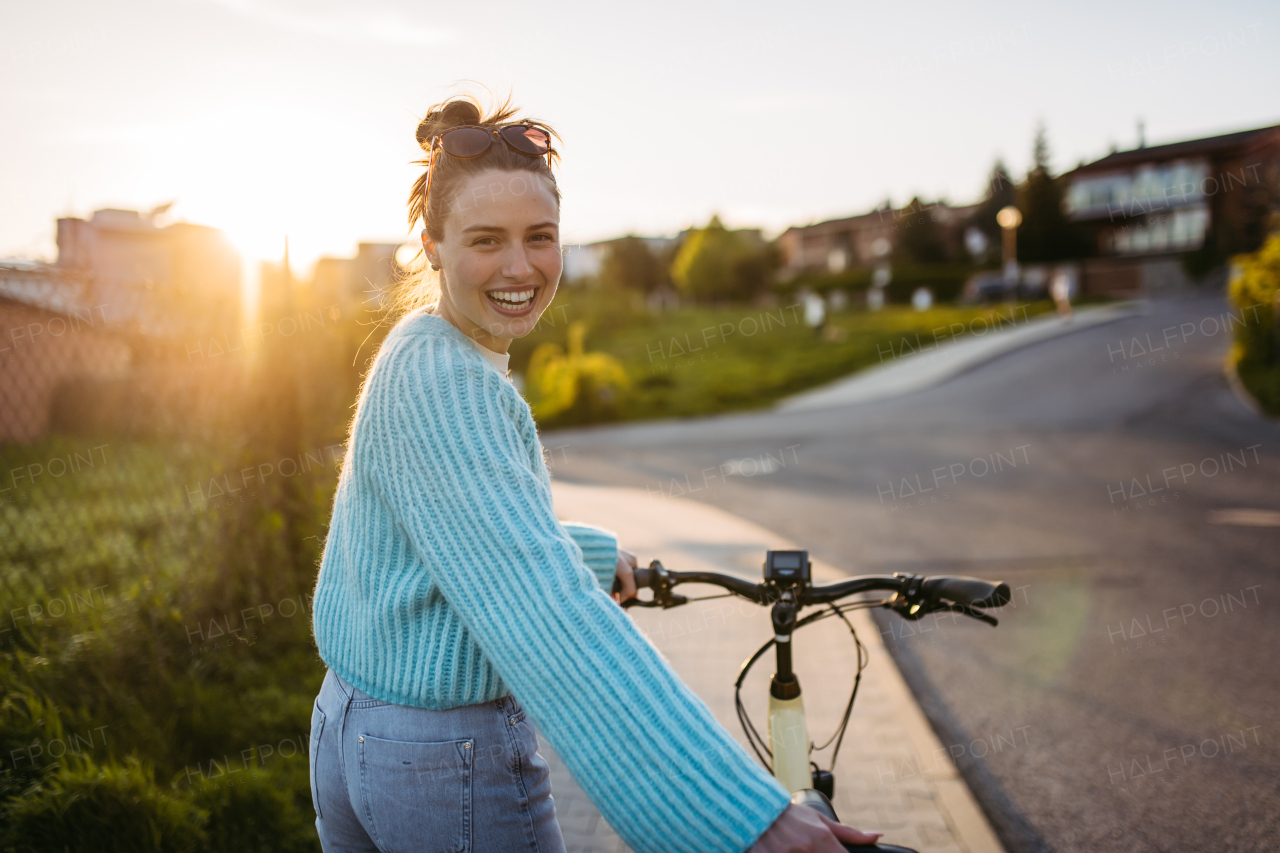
(788, 730)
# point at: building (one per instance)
(861, 241)
(365, 282)
(159, 280)
(1142, 210)
(52, 335)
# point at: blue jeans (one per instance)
(396, 779)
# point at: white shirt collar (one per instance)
(499, 360)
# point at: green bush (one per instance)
(575, 387)
(1256, 293)
(113, 808)
(260, 812)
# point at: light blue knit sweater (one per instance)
(447, 580)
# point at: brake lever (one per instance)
(914, 611)
(968, 611)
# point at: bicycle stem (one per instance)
(784, 684)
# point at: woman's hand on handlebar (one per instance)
(626, 575)
(800, 829)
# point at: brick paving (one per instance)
(892, 775)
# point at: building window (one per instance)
(1149, 187)
(837, 259)
(1174, 231)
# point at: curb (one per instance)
(931, 367)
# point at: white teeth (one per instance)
(515, 299)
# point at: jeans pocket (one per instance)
(317, 731)
(417, 795)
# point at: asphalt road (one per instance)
(1130, 699)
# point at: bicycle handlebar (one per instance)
(914, 595)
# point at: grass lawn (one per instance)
(702, 361)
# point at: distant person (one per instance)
(454, 609)
(1060, 289)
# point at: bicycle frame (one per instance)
(789, 741)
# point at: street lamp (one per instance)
(1009, 218)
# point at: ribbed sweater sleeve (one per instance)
(446, 443)
(599, 550)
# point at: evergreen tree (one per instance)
(1046, 234)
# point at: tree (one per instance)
(1045, 234)
(716, 263)
(703, 268)
(632, 265)
(920, 238)
(754, 270)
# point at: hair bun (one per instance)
(451, 114)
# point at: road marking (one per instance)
(1245, 517)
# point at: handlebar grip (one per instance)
(971, 592)
(644, 577)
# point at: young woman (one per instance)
(454, 609)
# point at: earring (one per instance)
(434, 267)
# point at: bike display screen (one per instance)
(786, 566)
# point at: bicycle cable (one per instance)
(754, 738)
(864, 658)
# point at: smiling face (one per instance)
(499, 255)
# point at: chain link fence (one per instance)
(164, 498)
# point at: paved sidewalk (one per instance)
(933, 365)
(893, 775)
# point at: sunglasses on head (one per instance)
(469, 141)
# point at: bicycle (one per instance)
(788, 587)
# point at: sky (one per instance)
(275, 118)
